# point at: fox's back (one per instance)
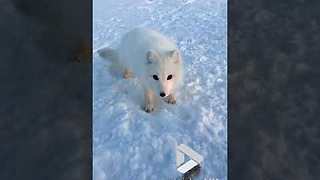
(135, 45)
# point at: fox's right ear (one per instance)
(175, 54)
(151, 56)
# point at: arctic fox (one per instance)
(153, 59)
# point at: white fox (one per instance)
(154, 59)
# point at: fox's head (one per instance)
(164, 71)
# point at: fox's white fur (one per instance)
(154, 59)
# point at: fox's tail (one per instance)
(109, 53)
(113, 56)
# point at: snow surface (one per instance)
(131, 144)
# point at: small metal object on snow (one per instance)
(195, 158)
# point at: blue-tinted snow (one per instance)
(130, 144)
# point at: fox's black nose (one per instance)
(162, 94)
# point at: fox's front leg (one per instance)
(149, 100)
(171, 99)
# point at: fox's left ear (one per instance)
(175, 55)
(152, 56)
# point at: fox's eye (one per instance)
(155, 77)
(169, 77)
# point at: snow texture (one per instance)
(131, 144)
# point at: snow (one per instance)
(129, 143)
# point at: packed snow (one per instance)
(130, 144)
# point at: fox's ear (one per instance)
(175, 55)
(152, 56)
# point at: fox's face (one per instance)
(163, 71)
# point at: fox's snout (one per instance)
(165, 88)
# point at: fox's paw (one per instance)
(149, 108)
(170, 99)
